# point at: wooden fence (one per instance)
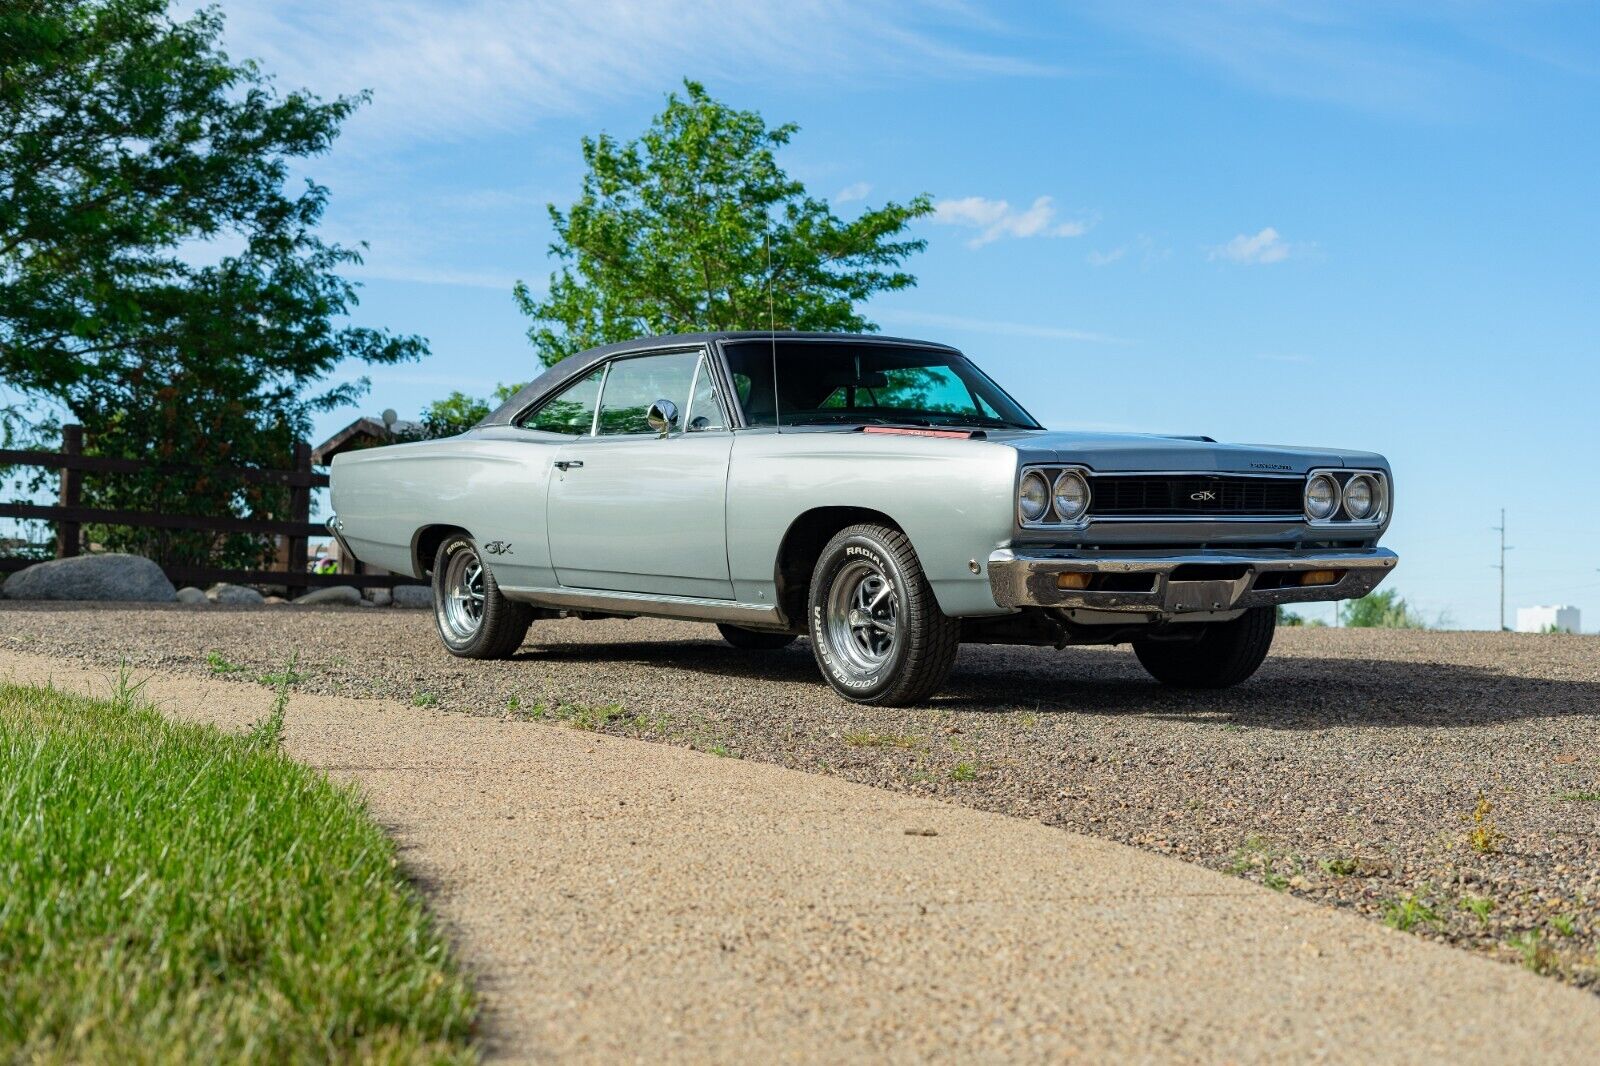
(70, 515)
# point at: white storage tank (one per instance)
(1541, 619)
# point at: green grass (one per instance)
(964, 771)
(1581, 797)
(1410, 911)
(172, 893)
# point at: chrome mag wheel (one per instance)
(461, 599)
(863, 615)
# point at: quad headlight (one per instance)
(1322, 497)
(1071, 495)
(1338, 497)
(1363, 497)
(1033, 497)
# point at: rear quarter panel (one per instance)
(492, 486)
(952, 498)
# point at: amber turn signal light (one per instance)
(1073, 581)
(1321, 577)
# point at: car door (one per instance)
(633, 510)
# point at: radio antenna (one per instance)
(772, 318)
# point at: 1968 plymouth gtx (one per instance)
(882, 497)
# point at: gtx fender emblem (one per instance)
(498, 547)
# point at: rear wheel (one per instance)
(1224, 654)
(755, 639)
(876, 629)
(474, 618)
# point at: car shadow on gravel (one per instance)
(1289, 693)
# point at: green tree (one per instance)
(1381, 610)
(161, 282)
(459, 412)
(695, 226)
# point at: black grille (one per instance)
(1193, 495)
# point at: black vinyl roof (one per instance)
(580, 363)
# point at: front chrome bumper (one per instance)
(1179, 582)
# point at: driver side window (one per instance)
(635, 383)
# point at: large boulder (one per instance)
(413, 595)
(343, 595)
(92, 577)
(234, 595)
(191, 595)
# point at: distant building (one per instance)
(1541, 619)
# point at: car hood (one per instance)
(1148, 451)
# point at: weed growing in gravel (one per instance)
(219, 665)
(1409, 911)
(1483, 837)
(1565, 924)
(1479, 906)
(287, 676)
(1275, 881)
(964, 771)
(513, 705)
(595, 719)
(1537, 955)
(1254, 854)
(1340, 867)
(424, 699)
(720, 751)
(268, 732)
(1581, 797)
(882, 740)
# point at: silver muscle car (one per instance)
(882, 497)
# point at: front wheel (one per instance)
(876, 629)
(1224, 654)
(474, 618)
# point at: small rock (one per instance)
(191, 595)
(344, 595)
(234, 595)
(922, 832)
(92, 577)
(273, 601)
(413, 596)
(380, 597)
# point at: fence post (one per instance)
(299, 511)
(69, 533)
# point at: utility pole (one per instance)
(1501, 529)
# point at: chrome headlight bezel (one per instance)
(1341, 516)
(1050, 475)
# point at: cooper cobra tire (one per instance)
(1225, 654)
(474, 619)
(755, 639)
(876, 629)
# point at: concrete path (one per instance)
(626, 901)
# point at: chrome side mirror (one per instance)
(662, 416)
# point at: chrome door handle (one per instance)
(568, 464)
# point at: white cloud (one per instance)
(450, 68)
(1100, 259)
(997, 219)
(854, 191)
(1264, 247)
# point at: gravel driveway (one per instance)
(1448, 783)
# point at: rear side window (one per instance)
(570, 411)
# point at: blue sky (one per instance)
(1370, 225)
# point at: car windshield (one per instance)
(864, 383)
